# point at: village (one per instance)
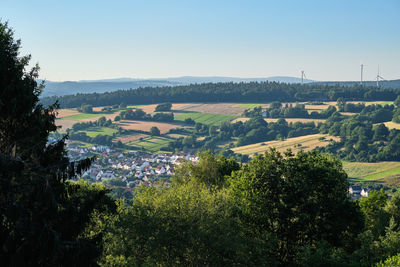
(128, 169)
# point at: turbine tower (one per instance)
(379, 77)
(303, 76)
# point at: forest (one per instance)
(280, 209)
(253, 92)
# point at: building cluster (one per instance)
(131, 168)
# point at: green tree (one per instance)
(154, 131)
(163, 107)
(184, 225)
(376, 218)
(300, 199)
(42, 215)
(211, 170)
(84, 108)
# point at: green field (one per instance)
(206, 118)
(95, 131)
(364, 171)
(151, 143)
(83, 116)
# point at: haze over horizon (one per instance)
(90, 40)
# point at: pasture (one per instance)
(83, 116)
(151, 143)
(95, 131)
(305, 143)
(205, 118)
(376, 171)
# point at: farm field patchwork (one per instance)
(306, 143)
(205, 118)
(151, 143)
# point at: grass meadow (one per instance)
(206, 118)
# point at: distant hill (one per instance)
(87, 87)
(385, 84)
(110, 85)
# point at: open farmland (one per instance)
(67, 112)
(151, 143)
(95, 131)
(215, 108)
(146, 125)
(306, 143)
(289, 120)
(205, 118)
(65, 124)
(83, 116)
(252, 105)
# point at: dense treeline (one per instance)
(361, 139)
(277, 110)
(228, 92)
(139, 114)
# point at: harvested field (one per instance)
(392, 125)
(65, 124)
(289, 120)
(306, 143)
(98, 109)
(252, 105)
(130, 138)
(146, 125)
(215, 108)
(317, 107)
(66, 112)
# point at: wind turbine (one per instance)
(303, 76)
(379, 77)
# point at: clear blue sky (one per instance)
(95, 39)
